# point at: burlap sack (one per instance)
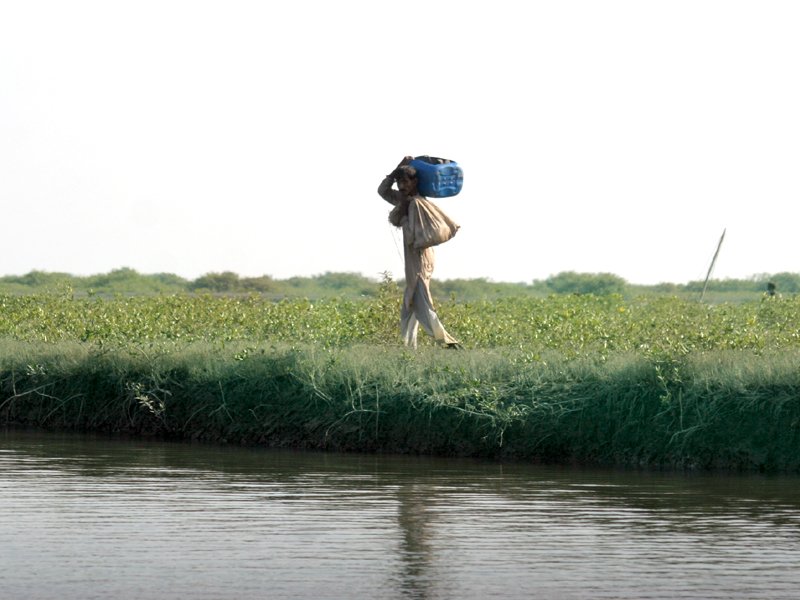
(429, 226)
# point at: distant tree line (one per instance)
(130, 282)
(127, 281)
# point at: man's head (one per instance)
(406, 178)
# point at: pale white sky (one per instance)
(198, 136)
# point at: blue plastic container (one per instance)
(437, 177)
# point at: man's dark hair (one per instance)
(404, 172)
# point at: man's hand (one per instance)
(406, 160)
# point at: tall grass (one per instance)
(728, 409)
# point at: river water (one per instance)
(91, 517)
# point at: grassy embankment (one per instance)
(656, 382)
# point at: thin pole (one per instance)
(711, 267)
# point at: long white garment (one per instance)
(420, 312)
(417, 306)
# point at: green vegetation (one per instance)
(576, 326)
(651, 380)
(352, 285)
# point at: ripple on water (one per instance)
(95, 518)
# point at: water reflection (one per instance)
(413, 520)
(85, 517)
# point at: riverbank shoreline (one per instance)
(731, 411)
